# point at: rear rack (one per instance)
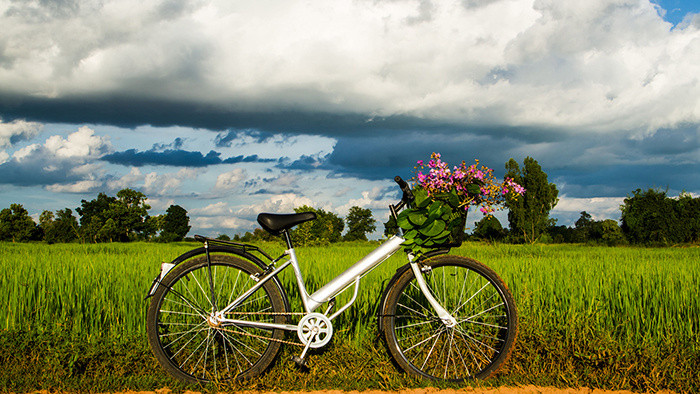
(238, 245)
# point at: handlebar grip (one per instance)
(407, 194)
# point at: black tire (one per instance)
(191, 349)
(487, 322)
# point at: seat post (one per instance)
(287, 239)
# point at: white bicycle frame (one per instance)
(336, 286)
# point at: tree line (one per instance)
(327, 228)
(120, 218)
(125, 218)
(647, 218)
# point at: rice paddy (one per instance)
(597, 316)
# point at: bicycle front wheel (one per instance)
(475, 296)
(192, 346)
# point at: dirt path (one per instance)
(467, 390)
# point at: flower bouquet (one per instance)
(438, 214)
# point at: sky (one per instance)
(229, 109)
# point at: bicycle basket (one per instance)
(454, 240)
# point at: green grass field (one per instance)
(616, 318)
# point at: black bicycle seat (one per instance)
(276, 223)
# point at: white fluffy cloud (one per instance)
(230, 223)
(599, 208)
(79, 147)
(68, 164)
(368, 200)
(76, 187)
(82, 144)
(230, 180)
(281, 203)
(17, 130)
(154, 183)
(594, 65)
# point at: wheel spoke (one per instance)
(476, 345)
(184, 334)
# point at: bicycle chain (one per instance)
(260, 336)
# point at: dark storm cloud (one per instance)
(622, 180)
(581, 167)
(130, 112)
(261, 126)
(382, 156)
(684, 139)
(177, 158)
(169, 157)
(176, 144)
(228, 138)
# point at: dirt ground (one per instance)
(467, 390)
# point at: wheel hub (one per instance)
(214, 321)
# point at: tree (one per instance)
(327, 228)
(176, 224)
(650, 217)
(16, 225)
(489, 229)
(62, 227)
(360, 222)
(93, 215)
(608, 232)
(529, 214)
(128, 213)
(583, 225)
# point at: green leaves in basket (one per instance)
(430, 221)
(421, 198)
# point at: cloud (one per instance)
(18, 130)
(167, 184)
(281, 203)
(222, 223)
(83, 144)
(230, 180)
(220, 216)
(77, 187)
(176, 157)
(160, 204)
(378, 198)
(242, 137)
(58, 162)
(152, 183)
(577, 67)
(176, 144)
(170, 157)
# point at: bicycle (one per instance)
(219, 312)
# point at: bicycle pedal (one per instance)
(300, 362)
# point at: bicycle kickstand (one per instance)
(300, 361)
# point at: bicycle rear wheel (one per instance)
(193, 348)
(475, 296)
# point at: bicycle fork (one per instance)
(445, 316)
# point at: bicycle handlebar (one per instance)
(407, 194)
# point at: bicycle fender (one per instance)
(400, 271)
(222, 249)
